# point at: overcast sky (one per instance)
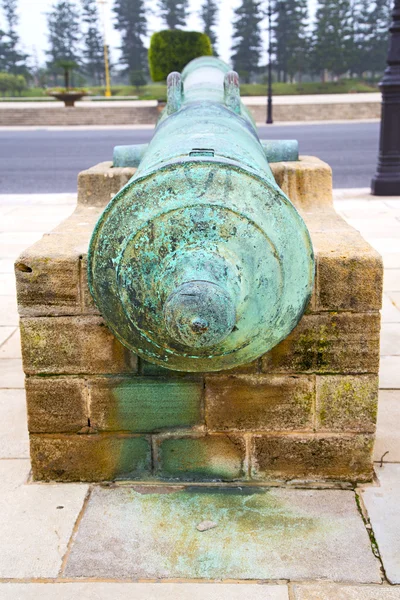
(32, 28)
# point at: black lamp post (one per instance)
(387, 179)
(269, 102)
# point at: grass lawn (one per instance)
(156, 91)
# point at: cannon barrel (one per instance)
(275, 151)
(201, 262)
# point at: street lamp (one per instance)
(387, 179)
(269, 102)
(105, 46)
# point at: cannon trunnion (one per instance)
(201, 262)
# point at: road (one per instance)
(48, 161)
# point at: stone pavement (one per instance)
(97, 542)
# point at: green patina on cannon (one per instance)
(201, 262)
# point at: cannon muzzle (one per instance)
(201, 262)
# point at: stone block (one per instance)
(49, 273)
(48, 279)
(87, 302)
(315, 457)
(210, 457)
(56, 404)
(260, 402)
(72, 345)
(347, 403)
(99, 184)
(349, 272)
(328, 343)
(89, 457)
(143, 404)
(307, 182)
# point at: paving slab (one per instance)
(12, 200)
(382, 504)
(11, 250)
(375, 225)
(388, 432)
(12, 346)
(34, 218)
(137, 532)
(385, 245)
(7, 284)
(5, 333)
(142, 591)
(390, 339)
(36, 522)
(390, 312)
(326, 591)
(395, 298)
(8, 311)
(6, 265)
(11, 374)
(14, 439)
(389, 373)
(21, 237)
(395, 203)
(391, 280)
(391, 260)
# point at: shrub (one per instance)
(12, 84)
(172, 49)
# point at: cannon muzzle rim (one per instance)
(199, 314)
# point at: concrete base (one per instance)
(306, 410)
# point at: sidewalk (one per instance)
(136, 541)
(307, 108)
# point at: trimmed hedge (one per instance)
(172, 49)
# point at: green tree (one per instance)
(13, 84)
(291, 38)
(137, 79)
(11, 59)
(174, 12)
(375, 44)
(3, 50)
(67, 67)
(131, 22)
(63, 34)
(171, 50)
(208, 14)
(247, 38)
(332, 37)
(93, 50)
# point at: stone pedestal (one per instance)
(304, 411)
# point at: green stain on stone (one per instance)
(133, 460)
(146, 405)
(204, 458)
